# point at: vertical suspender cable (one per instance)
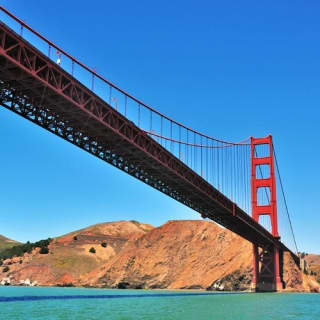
(218, 150)
(180, 142)
(186, 148)
(161, 124)
(171, 145)
(195, 153)
(207, 160)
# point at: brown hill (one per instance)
(69, 258)
(6, 243)
(128, 254)
(177, 255)
(313, 261)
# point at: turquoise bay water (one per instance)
(91, 304)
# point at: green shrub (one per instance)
(21, 249)
(103, 244)
(6, 269)
(44, 250)
(92, 250)
(67, 285)
(1, 263)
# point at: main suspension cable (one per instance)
(284, 198)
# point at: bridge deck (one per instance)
(36, 88)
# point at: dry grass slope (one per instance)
(6, 243)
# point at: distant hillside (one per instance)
(186, 254)
(313, 261)
(7, 243)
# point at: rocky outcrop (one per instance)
(296, 279)
(236, 281)
(7, 281)
(292, 275)
(313, 261)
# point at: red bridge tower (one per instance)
(266, 260)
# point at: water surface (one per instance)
(90, 304)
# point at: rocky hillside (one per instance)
(313, 261)
(179, 254)
(69, 257)
(6, 243)
(129, 254)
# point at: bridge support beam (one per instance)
(266, 269)
(266, 260)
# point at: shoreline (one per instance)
(161, 290)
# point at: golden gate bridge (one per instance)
(223, 181)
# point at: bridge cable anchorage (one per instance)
(284, 199)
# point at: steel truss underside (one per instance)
(34, 87)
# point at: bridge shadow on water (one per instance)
(114, 296)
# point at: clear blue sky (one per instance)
(230, 69)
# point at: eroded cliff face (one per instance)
(295, 279)
(313, 261)
(292, 275)
(177, 255)
(127, 254)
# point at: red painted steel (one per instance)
(269, 274)
(270, 182)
